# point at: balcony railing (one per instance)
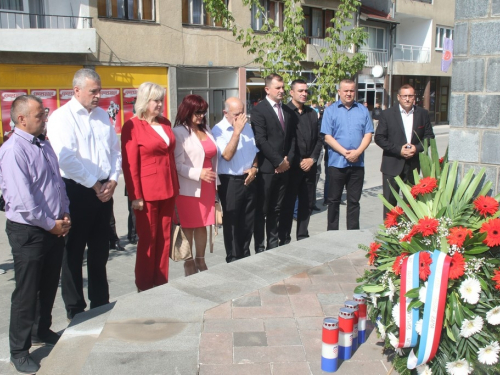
(405, 52)
(16, 20)
(375, 56)
(321, 43)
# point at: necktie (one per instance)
(280, 116)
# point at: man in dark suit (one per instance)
(302, 180)
(274, 127)
(400, 133)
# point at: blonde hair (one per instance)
(146, 92)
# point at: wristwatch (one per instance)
(257, 168)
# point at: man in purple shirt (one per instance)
(37, 211)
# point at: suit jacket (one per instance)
(189, 158)
(309, 142)
(273, 142)
(391, 137)
(148, 163)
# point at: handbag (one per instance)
(179, 244)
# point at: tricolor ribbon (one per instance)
(407, 319)
(435, 303)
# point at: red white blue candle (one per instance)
(330, 347)
(355, 309)
(361, 300)
(346, 323)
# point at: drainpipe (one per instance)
(391, 49)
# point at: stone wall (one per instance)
(475, 88)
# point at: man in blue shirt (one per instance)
(348, 130)
(37, 212)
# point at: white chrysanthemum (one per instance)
(392, 289)
(422, 293)
(470, 290)
(460, 367)
(471, 327)
(493, 316)
(395, 342)
(374, 297)
(489, 354)
(381, 329)
(395, 313)
(418, 326)
(424, 370)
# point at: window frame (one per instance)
(441, 32)
(326, 14)
(110, 9)
(384, 37)
(13, 5)
(208, 21)
(274, 11)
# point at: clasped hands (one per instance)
(283, 167)
(105, 191)
(352, 156)
(408, 152)
(62, 227)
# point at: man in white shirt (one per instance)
(237, 168)
(89, 156)
(400, 133)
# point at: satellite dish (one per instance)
(377, 71)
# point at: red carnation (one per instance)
(410, 235)
(457, 266)
(391, 218)
(496, 278)
(492, 228)
(427, 226)
(396, 267)
(441, 160)
(374, 246)
(425, 262)
(486, 205)
(458, 236)
(426, 185)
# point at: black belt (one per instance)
(234, 177)
(73, 182)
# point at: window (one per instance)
(141, 10)
(441, 33)
(274, 11)
(193, 13)
(376, 38)
(11, 5)
(316, 21)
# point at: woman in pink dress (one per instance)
(196, 161)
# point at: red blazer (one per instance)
(148, 164)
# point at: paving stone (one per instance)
(268, 354)
(331, 310)
(234, 325)
(222, 311)
(247, 301)
(321, 270)
(305, 305)
(331, 298)
(299, 279)
(353, 368)
(262, 312)
(311, 340)
(282, 331)
(216, 348)
(243, 369)
(301, 368)
(250, 339)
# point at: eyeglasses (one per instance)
(406, 96)
(200, 114)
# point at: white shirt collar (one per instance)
(272, 102)
(76, 106)
(402, 110)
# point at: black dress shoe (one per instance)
(316, 208)
(25, 365)
(116, 246)
(49, 339)
(132, 240)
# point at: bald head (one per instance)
(233, 107)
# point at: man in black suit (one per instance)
(274, 127)
(400, 133)
(302, 179)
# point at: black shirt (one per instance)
(309, 142)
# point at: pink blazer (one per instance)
(189, 157)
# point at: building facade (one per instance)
(178, 45)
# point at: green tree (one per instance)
(281, 48)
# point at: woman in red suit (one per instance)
(148, 145)
(196, 160)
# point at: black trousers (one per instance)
(269, 198)
(113, 235)
(352, 179)
(37, 266)
(238, 208)
(89, 228)
(302, 185)
(132, 232)
(388, 181)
